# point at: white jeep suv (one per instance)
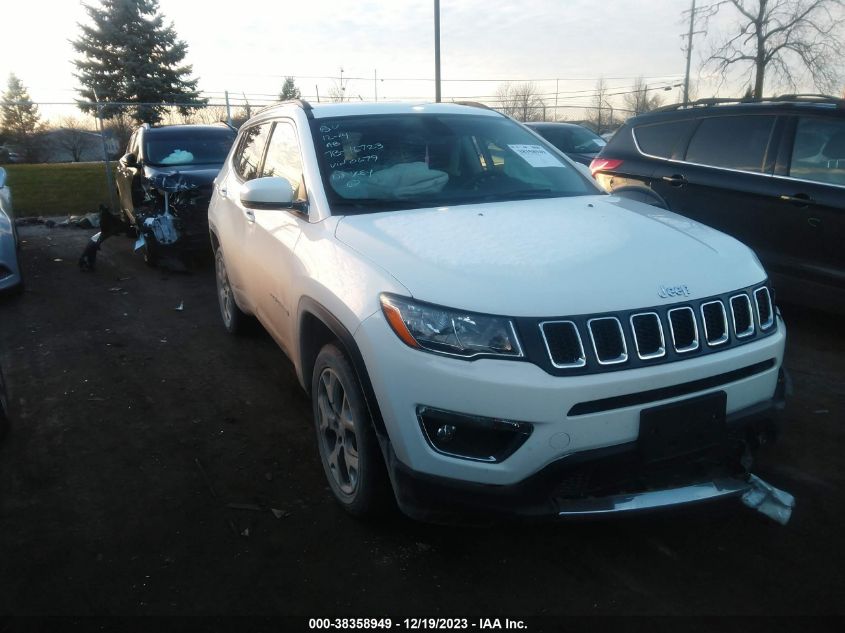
(480, 328)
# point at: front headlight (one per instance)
(450, 332)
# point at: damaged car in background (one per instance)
(164, 184)
(10, 271)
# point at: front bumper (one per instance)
(565, 448)
(599, 482)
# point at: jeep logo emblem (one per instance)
(665, 292)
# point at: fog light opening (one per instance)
(471, 437)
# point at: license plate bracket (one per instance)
(682, 428)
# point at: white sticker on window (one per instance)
(536, 155)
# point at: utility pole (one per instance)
(437, 51)
(228, 109)
(557, 89)
(689, 51)
(109, 180)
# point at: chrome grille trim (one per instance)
(582, 360)
(692, 346)
(770, 321)
(725, 333)
(750, 329)
(614, 361)
(661, 352)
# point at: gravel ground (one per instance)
(135, 426)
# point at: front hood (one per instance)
(551, 257)
(181, 177)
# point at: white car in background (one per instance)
(10, 271)
(480, 328)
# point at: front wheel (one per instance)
(234, 319)
(346, 440)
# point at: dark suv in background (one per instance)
(771, 173)
(576, 141)
(164, 183)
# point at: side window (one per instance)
(819, 151)
(283, 158)
(734, 142)
(248, 157)
(661, 139)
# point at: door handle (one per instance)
(799, 199)
(814, 222)
(224, 193)
(675, 180)
(250, 215)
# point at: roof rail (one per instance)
(302, 103)
(791, 98)
(146, 125)
(473, 104)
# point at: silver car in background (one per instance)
(10, 270)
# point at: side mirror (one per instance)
(129, 159)
(2, 177)
(271, 192)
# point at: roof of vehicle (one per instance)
(180, 130)
(555, 124)
(328, 110)
(784, 103)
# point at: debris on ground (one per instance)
(109, 225)
(205, 477)
(180, 307)
(765, 498)
(279, 513)
(245, 506)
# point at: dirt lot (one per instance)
(137, 425)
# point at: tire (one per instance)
(347, 444)
(234, 319)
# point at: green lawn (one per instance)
(57, 188)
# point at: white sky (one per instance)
(247, 46)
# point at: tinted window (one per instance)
(572, 139)
(660, 139)
(378, 162)
(283, 158)
(735, 142)
(188, 147)
(248, 157)
(819, 151)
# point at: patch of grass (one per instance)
(57, 188)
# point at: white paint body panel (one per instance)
(553, 257)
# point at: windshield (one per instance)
(572, 138)
(198, 147)
(397, 161)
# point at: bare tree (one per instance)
(639, 100)
(74, 137)
(781, 39)
(600, 114)
(521, 101)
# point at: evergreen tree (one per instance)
(289, 90)
(130, 55)
(20, 119)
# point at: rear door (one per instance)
(810, 187)
(723, 177)
(236, 223)
(128, 178)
